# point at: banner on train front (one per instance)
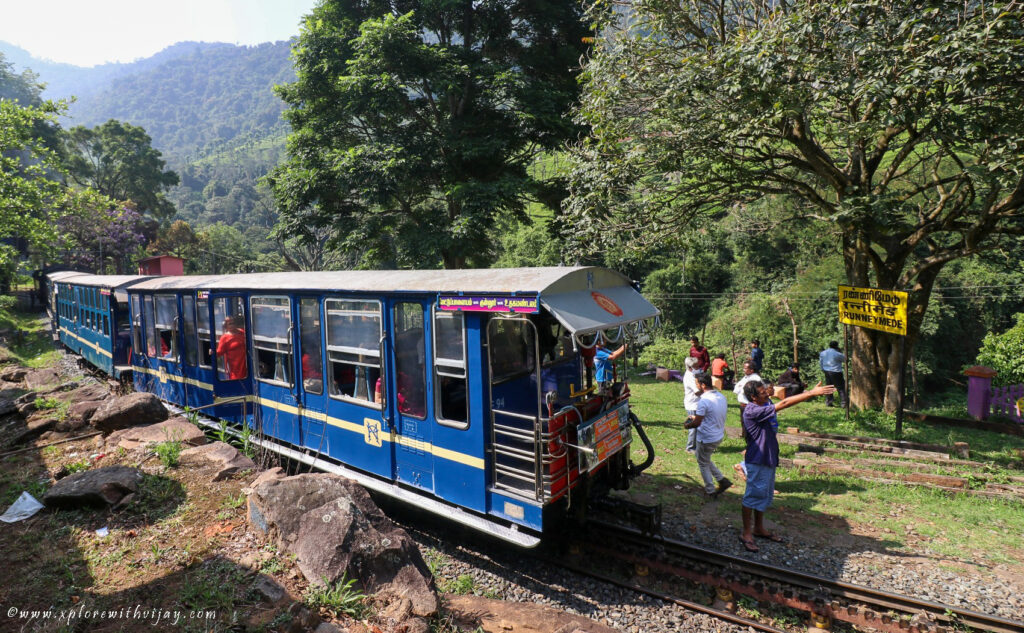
(874, 308)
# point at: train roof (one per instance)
(63, 275)
(104, 281)
(569, 292)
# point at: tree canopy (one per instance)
(414, 123)
(118, 160)
(900, 125)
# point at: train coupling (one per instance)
(642, 516)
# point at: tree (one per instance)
(898, 124)
(94, 229)
(28, 193)
(414, 123)
(117, 160)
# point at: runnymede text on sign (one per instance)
(884, 310)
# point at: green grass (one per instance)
(339, 597)
(954, 525)
(32, 346)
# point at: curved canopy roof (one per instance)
(583, 298)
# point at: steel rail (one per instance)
(947, 613)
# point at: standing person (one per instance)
(604, 371)
(691, 396)
(831, 361)
(709, 421)
(231, 347)
(757, 355)
(700, 352)
(718, 367)
(760, 426)
(749, 374)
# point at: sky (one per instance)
(91, 32)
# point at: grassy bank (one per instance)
(899, 517)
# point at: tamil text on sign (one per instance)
(874, 308)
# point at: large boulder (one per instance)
(176, 429)
(224, 457)
(334, 528)
(95, 488)
(89, 392)
(135, 409)
(14, 373)
(84, 410)
(41, 379)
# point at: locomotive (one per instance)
(467, 393)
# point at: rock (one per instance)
(14, 374)
(416, 625)
(333, 527)
(268, 589)
(175, 429)
(34, 428)
(97, 487)
(132, 410)
(302, 618)
(224, 456)
(70, 424)
(25, 398)
(271, 474)
(8, 406)
(327, 627)
(39, 379)
(339, 539)
(517, 617)
(27, 408)
(64, 387)
(84, 410)
(90, 391)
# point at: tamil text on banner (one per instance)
(874, 308)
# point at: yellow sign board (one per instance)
(874, 308)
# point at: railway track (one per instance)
(824, 599)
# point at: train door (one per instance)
(167, 341)
(274, 366)
(197, 364)
(405, 401)
(312, 395)
(232, 384)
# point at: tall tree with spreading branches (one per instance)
(899, 125)
(414, 122)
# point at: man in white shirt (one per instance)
(691, 396)
(748, 374)
(709, 420)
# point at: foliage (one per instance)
(95, 229)
(118, 161)
(414, 129)
(1003, 352)
(339, 597)
(168, 452)
(884, 121)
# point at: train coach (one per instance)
(90, 317)
(466, 393)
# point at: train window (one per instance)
(271, 338)
(511, 348)
(353, 348)
(229, 321)
(106, 325)
(203, 332)
(188, 307)
(310, 346)
(136, 325)
(150, 321)
(410, 360)
(554, 340)
(167, 326)
(450, 368)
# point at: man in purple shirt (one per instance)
(762, 457)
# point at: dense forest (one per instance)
(429, 139)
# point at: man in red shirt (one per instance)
(231, 347)
(700, 352)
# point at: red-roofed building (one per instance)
(162, 265)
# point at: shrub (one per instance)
(1003, 353)
(168, 452)
(339, 597)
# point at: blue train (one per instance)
(467, 393)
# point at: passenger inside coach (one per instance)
(231, 348)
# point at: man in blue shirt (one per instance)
(831, 361)
(756, 355)
(604, 369)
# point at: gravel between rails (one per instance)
(507, 575)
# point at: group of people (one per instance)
(706, 410)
